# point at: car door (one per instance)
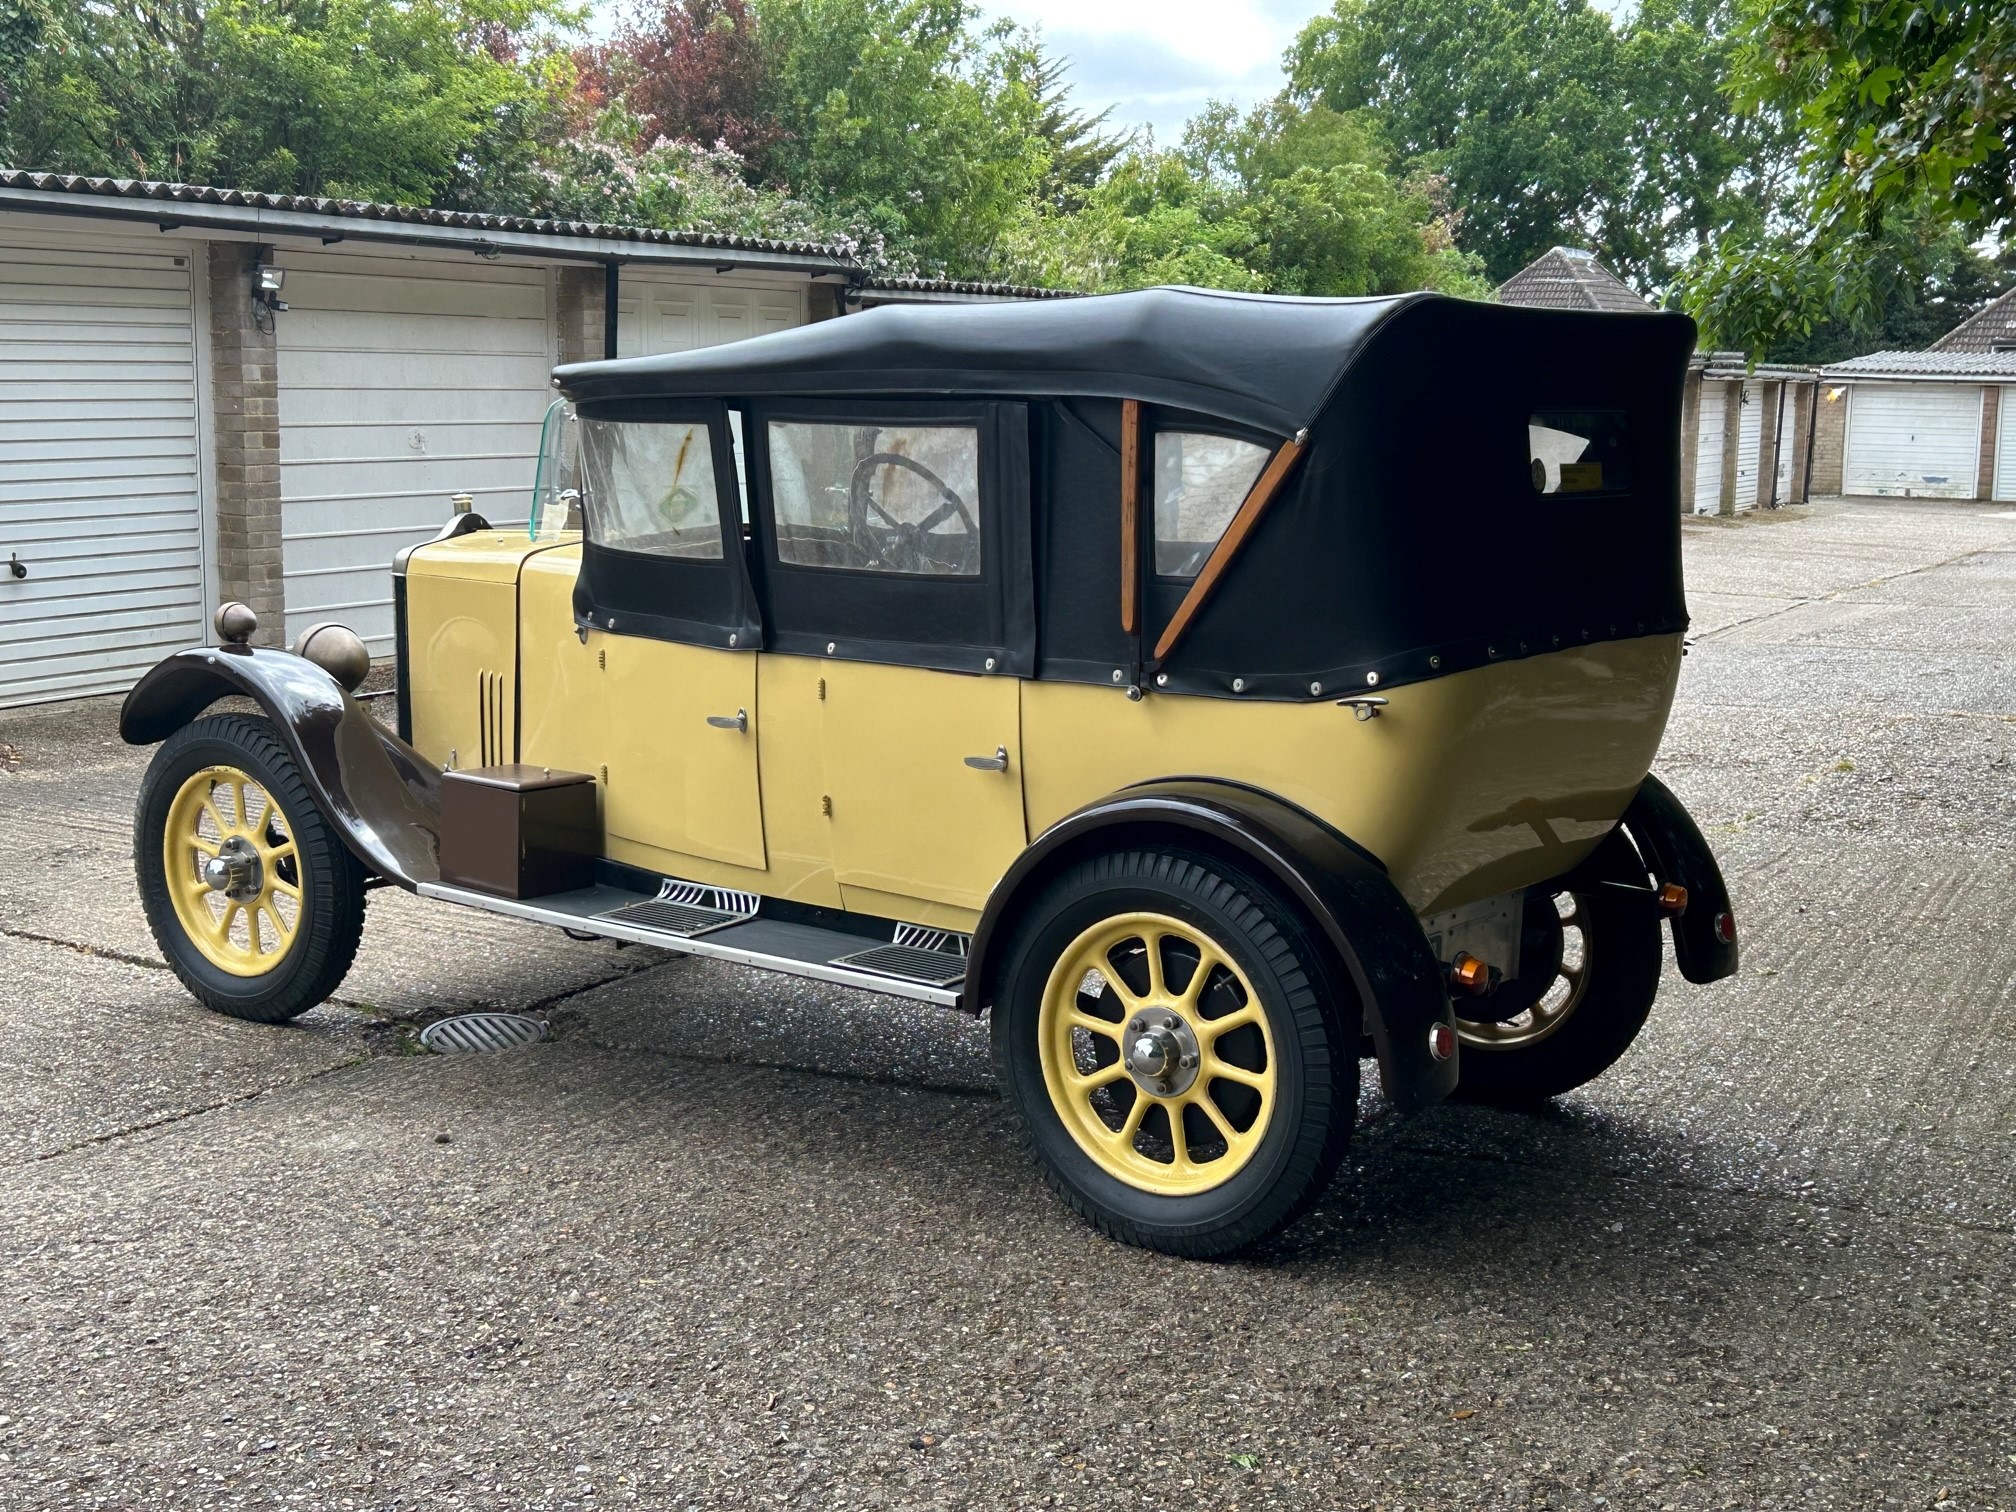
(664, 601)
(895, 551)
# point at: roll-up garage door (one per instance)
(100, 494)
(1920, 440)
(1749, 446)
(404, 380)
(1708, 451)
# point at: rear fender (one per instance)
(1673, 848)
(1373, 934)
(383, 797)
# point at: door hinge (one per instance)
(822, 690)
(826, 804)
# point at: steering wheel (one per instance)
(897, 544)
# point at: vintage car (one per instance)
(1213, 688)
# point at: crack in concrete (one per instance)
(115, 1135)
(1828, 598)
(97, 952)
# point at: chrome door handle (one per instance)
(998, 762)
(739, 720)
(1363, 705)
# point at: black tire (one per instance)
(1605, 1009)
(330, 920)
(1313, 1039)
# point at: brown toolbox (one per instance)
(519, 831)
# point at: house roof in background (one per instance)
(174, 205)
(1991, 325)
(1933, 364)
(1567, 278)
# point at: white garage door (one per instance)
(1919, 440)
(1749, 446)
(403, 381)
(1708, 451)
(2005, 448)
(100, 500)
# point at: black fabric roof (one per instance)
(1262, 360)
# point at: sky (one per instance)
(1158, 61)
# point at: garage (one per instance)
(1913, 440)
(101, 495)
(404, 380)
(1749, 445)
(1708, 450)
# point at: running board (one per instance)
(801, 950)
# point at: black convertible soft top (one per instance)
(1256, 359)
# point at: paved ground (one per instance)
(734, 1243)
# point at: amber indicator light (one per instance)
(1468, 974)
(1672, 900)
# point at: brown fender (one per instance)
(1374, 935)
(382, 796)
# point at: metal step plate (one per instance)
(687, 909)
(934, 968)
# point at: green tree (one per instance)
(904, 117)
(1905, 114)
(411, 101)
(1081, 151)
(1517, 103)
(1284, 199)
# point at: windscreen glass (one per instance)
(650, 487)
(877, 498)
(1200, 482)
(1579, 452)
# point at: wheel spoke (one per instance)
(1216, 1068)
(1083, 1021)
(1218, 1119)
(1212, 1028)
(1179, 1137)
(223, 926)
(1208, 960)
(216, 814)
(1131, 1124)
(286, 889)
(281, 852)
(1158, 988)
(281, 929)
(1092, 1081)
(204, 846)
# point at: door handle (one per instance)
(739, 720)
(998, 762)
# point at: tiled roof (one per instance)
(959, 286)
(1933, 364)
(365, 210)
(1992, 325)
(1567, 278)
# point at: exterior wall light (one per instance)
(267, 282)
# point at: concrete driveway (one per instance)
(736, 1242)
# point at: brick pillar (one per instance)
(1732, 437)
(1767, 445)
(1830, 438)
(1991, 414)
(1690, 437)
(245, 401)
(1800, 397)
(581, 312)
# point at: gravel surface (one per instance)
(733, 1241)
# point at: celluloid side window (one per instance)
(1579, 451)
(1200, 482)
(877, 498)
(650, 487)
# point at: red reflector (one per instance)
(1725, 927)
(1441, 1042)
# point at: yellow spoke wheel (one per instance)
(233, 871)
(1157, 1054)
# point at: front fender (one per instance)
(383, 797)
(1348, 896)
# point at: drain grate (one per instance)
(471, 1033)
(936, 968)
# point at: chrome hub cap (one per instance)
(235, 871)
(1160, 1052)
